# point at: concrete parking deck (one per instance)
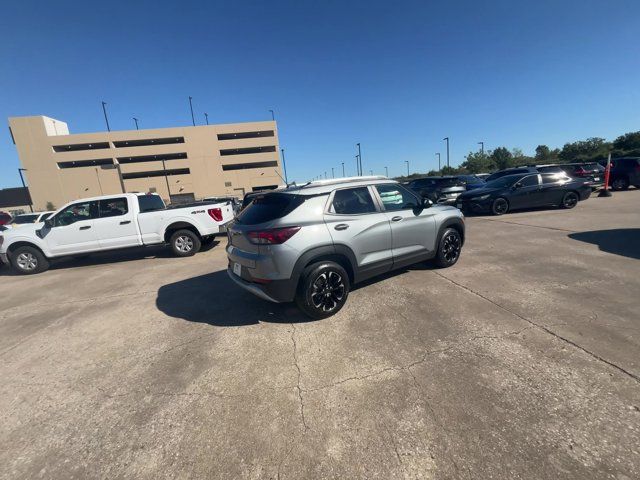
(522, 361)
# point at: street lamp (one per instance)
(332, 174)
(104, 110)
(386, 171)
(481, 147)
(447, 140)
(359, 158)
(407, 162)
(206, 117)
(20, 170)
(371, 172)
(358, 165)
(343, 169)
(193, 119)
(136, 122)
(273, 116)
(438, 154)
(284, 165)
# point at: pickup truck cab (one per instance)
(112, 222)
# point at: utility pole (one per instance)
(273, 116)
(407, 162)
(206, 117)
(104, 110)
(136, 122)
(193, 119)
(481, 147)
(438, 154)
(386, 171)
(343, 169)
(284, 165)
(20, 170)
(447, 140)
(359, 158)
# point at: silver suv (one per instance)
(310, 243)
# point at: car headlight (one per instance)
(481, 197)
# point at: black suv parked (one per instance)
(592, 172)
(624, 172)
(524, 169)
(442, 190)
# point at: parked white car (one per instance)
(112, 222)
(26, 219)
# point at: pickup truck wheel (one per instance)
(323, 290)
(28, 260)
(184, 243)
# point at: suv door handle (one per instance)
(125, 222)
(396, 219)
(341, 226)
(86, 227)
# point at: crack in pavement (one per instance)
(544, 329)
(295, 361)
(529, 225)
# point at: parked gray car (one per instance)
(310, 243)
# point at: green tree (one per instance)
(543, 154)
(502, 158)
(477, 162)
(50, 206)
(628, 141)
(594, 148)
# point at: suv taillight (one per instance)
(215, 213)
(274, 236)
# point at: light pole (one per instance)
(438, 154)
(166, 179)
(481, 147)
(386, 171)
(357, 164)
(20, 170)
(284, 165)
(325, 174)
(193, 119)
(343, 169)
(206, 117)
(447, 140)
(371, 172)
(359, 158)
(136, 122)
(273, 116)
(332, 174)
(104, 110)
(407, 162)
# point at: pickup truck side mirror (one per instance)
(426, 202)
(48, 223)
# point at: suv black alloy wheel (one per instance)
(323, 290)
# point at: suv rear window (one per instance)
(268, 207)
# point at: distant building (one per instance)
(180, 164)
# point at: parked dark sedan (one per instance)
(525, 190)
(472, 181)
(442, 190)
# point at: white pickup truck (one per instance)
(112, 222)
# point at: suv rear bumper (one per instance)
(277, 291)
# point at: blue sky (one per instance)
(396, 76)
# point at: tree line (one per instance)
(590, 150)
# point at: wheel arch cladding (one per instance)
(339, 254)
(455, 223)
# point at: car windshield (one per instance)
(502, 182)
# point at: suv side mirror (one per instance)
(426, 202)
(517, 185)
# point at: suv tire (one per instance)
(28, 260)
(323, 289)
(449, 248)
(619, 183)
(184, 243)
(500, 206)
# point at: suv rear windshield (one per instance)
(269, 206)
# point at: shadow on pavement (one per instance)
(116, 256)
(214, 299)
(619, 241)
